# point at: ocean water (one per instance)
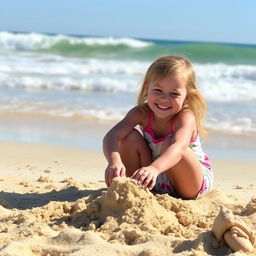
(97, 78)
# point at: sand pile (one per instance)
(124, 220)
(128, 214)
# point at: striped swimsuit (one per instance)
(162, 183)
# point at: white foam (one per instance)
(221, 82)
(236, 125)
(218, 82)
(32, 41)
(40, 64)
(102, 84)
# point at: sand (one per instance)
(54, 201)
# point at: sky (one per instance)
(230, 21)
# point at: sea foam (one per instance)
(218, 82)
(32, 41)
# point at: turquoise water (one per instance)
(127, 48)
(146, 49)
(198, 52)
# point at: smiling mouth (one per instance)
(162, 107)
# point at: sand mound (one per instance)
(124, 220)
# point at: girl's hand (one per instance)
(114, 170)
(146, 176)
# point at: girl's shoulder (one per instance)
(185, 118)
(139, 113)
(185, 113)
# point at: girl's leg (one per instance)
(134, 152)
(186, 176)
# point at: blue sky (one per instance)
(198, 20)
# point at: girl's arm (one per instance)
(111, 143)
(184, 128)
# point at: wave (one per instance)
(35, 41)
(127, 48)
(212, 90)
(218, 82)
(240, 125)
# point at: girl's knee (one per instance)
(134, 152)
(186, 186)
(133, 137)
(188, 191)
(135, 142)
(189, 195)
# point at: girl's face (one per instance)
(166, 97)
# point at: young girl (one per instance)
(167, 154)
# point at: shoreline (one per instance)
(30, 161)
(88, 134)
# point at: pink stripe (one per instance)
(148, 129)
(151, 133)
(203, 187)
(150, 121)
(194, 139)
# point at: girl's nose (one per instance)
(165, 96)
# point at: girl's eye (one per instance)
(158, 91)
(174, 94)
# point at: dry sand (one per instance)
(54, 202)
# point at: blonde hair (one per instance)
(173, 65)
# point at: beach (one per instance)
(50, 206)
(59, 96)
(54, 201)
